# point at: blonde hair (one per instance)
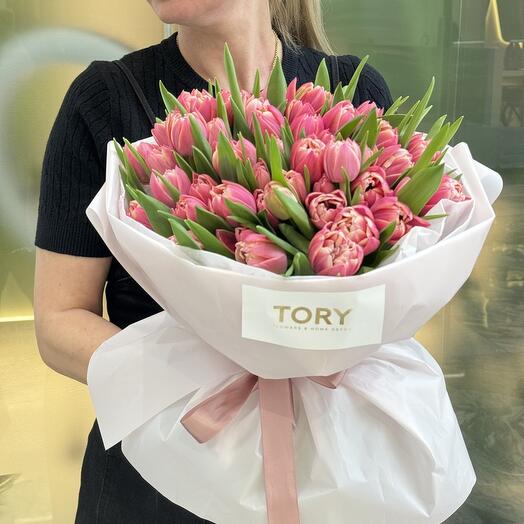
(299, 23)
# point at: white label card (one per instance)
(317, 321)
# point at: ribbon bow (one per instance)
(209, 417)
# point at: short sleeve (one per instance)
(73, 168)
(371, 86)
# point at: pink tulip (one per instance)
(261, 206)
(323, 207)
(326, 136)
(186, 207)
(271, 201)
(175, 177)
(179, 128)
(372, 184)
(136, 212)
(338, 116)
(387, 136)
(291, 90)
(226, 96)
(368, 153)
(308, 152)
(297, 184)
(333, 253)
(310, 124)
(262, 175)
(314, 95)
(394, 160)
(141, 173)
(214, 127)
(388, 209)
(417, 145)
(297, 108)
(268, 116)
(200, 101)
(201, 187)
(245, 150)
(340, 156)
(159, 158)
(449, 189)
(359, 223)
(257, 250)
(323, 185)
(161, 134)
(231, 191)
(366, 107)
(227, 238)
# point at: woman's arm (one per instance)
(68, 310)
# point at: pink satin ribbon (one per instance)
(207, 419)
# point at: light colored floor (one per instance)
(477, 339)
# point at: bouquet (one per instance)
(296, 244)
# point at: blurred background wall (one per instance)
(472, 48)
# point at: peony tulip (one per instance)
(271, 201)
(261, 206)
(387, 136)
(372, 184)
(323, 185)
(317, 96)
(308, 152)
(214, 127)
(136, 212)
(342, 155)
(159, 158)
(366, 107)
(297, 108)
(262, 175)
(257, 250)
(332, 253)
(186, 207)
(200, 101)
(323, 207)
(180, 133)
(231, 191)
(227, 238)
(268, 116)
(245, 150)
(449, 189)
(141, 173)
(297, 184)
(359, 223)
(175, 177)
(201, 187)
(310, 124)
(394, 160)
(417, 145)
(388, 209)
(338, 116)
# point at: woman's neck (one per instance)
(249, 36)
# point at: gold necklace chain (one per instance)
(276, 50)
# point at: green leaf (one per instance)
(222, 112)
(387, 233)
(297, 213)
(151, 205)
(294, 237)
(307, 179)
(203, 165)
(290, 270)
(322, 76)
(226, 158)
(349, 91)
(419, 190)
(172, 218)
(275, 161)
(371, 160)
(120, 152)
(240, 122)
(347, 129)
(371, 127)
(355, 199)
(436, 127)
(199, 139)
(174, 193)
(264, 219)
(400, 101)
(137, 155)
(249, 175)
(170, 101)
(338, 95)
(384, 254)
(210, 221)
(345, 185)
(182, 236)
(435, 217)
(209, 241)
(394, 120)
(242, 211)
(234, 88)
(302, 265)
(256, 84)
(277, 240)
(184, 165)
(277, 86)
(407, 132)
(259, 140)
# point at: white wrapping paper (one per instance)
(384, 447)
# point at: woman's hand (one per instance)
(68, 310)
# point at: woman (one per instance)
(72, 262)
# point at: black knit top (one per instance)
(99, 105)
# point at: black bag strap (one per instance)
(334, 73)
(138, 91)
